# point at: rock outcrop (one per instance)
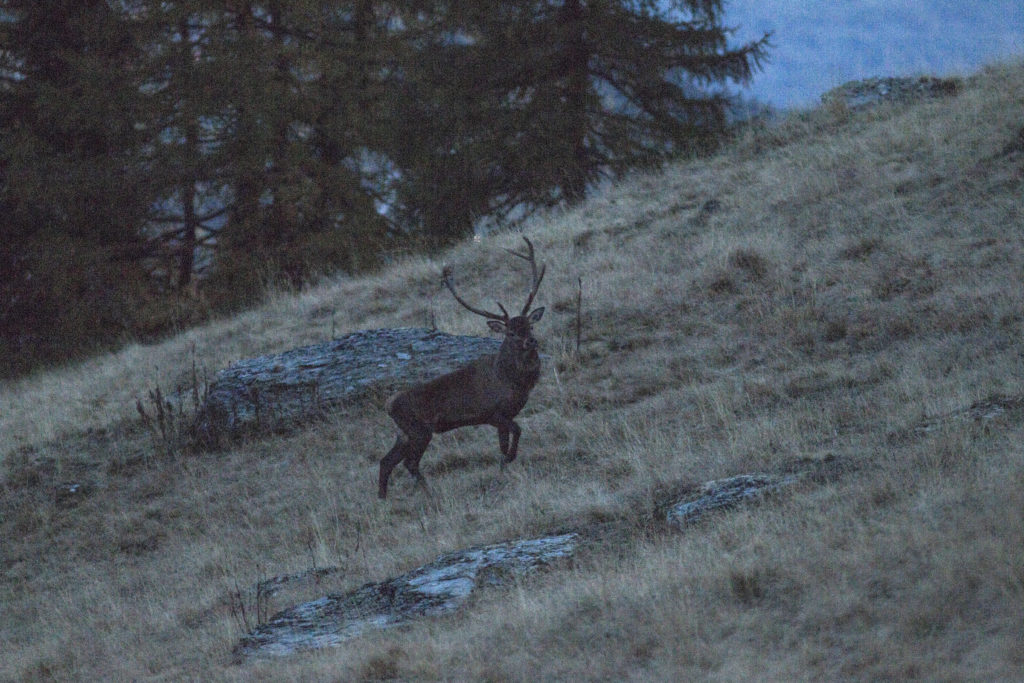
(281, 391)
(871, 91)
(726, 493)
(431, 590)
(445, 584)
(981, 412)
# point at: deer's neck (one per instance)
(520, 369)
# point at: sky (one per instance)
(819, 45)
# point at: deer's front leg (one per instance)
(505, 426)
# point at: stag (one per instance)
(491, 390)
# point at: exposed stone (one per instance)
(431, 590)
(274, 585)
(982, 411)
(861, 94)
(279, 392)
(726, 493)
(70, 493)
(446, 583)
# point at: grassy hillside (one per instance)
(856, 277)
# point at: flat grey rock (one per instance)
(726, 493)
(872, 91)
(279, 392)
(430, 590)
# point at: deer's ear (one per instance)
(497, 326)
(536, 315)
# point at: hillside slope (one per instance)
(840, 287)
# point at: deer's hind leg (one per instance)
(418, 442)
(412, 441)
(388, 463)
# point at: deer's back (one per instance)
(470, 395)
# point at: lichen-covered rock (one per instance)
(982, 412)
(724, 493)
(433, 589)
(860, 94)
(446, 583)
(278, 392)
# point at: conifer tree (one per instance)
(252, 106)
(544, 98)
(69, 175)
(183, 110)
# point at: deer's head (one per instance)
(520, 346)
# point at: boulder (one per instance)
(279, 392)
(445, 584)
(871, 91)
(981, 412)
(439, 587)
(726, 493)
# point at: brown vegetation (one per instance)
(859, 277)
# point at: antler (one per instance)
(503, 316)
(447, 272)
(533, 266)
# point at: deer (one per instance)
(490, 390)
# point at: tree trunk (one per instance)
(577, 59)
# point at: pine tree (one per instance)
(182, 110)
(69, 174)
(256, 141)
(534, 101)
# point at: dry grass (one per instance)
(856, 275)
